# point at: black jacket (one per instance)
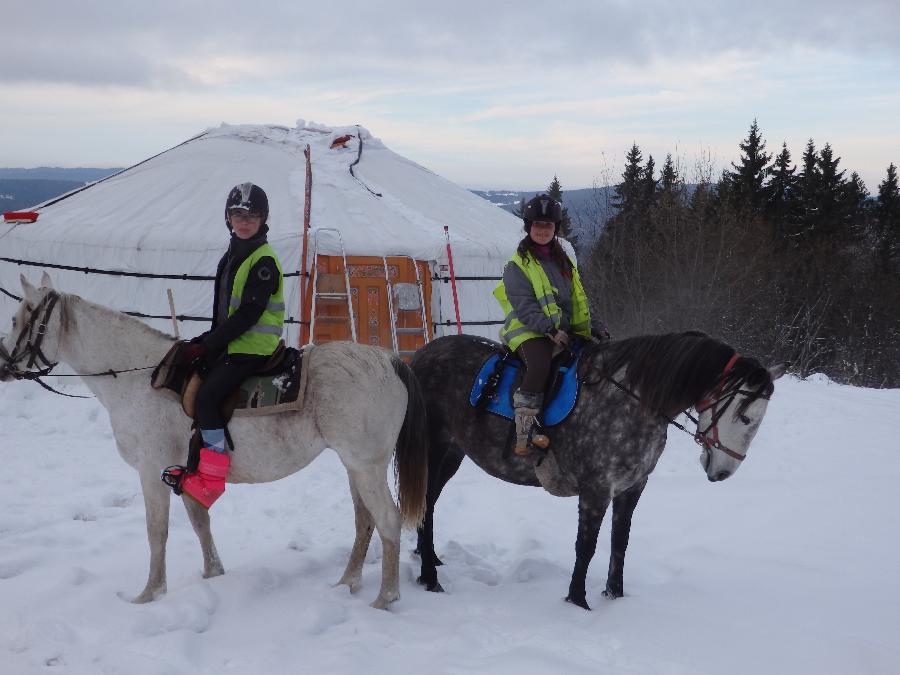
(262, 282)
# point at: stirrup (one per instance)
(172, 476)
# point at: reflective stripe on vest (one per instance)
(514, 333)
(262, 338)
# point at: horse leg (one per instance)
(156, 507)
(364, 527)
(590, 517)
(443, 463)
(623, 509)
(376, 497)
(199, 516)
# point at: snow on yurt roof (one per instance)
(166, 216)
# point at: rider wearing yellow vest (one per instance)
(544, 303)
(248, 315)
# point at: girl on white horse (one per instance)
(248, 315)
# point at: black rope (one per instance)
(446, 280)
(179, 317)
(358, 157)
(118, 273)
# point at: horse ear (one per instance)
(778, 370)
(46, 281)
(29, 291)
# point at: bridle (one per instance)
(29, 345)
(707, 438)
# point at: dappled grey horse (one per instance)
(362, 401)
(629, 391)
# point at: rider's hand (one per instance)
(194, 351)
(559, 337)
(601, 335)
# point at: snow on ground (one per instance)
(788, 567)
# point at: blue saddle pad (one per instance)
(500, 402)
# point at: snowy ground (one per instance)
(791, 566)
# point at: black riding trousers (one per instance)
(223, 378)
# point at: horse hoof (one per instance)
(580, 601)
(215, 572)
(383, 603)
(612, 594)
(434, 587)
(144, 597)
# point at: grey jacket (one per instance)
(521, 296)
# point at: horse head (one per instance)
(730, 414)
(34, 333)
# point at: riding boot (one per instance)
(208, 483)
(527, 404)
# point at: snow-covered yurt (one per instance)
(348, 217)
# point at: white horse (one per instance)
(362, 401)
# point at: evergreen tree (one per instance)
(565, 225)
(648, 193)
(627, 198)
(668, 178)
(745, 183)
(833, 217)
(782, 203)
(887, 217)
(809, 187)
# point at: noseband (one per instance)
(29, 342)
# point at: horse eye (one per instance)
(744, 419)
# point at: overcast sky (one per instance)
(488, 93)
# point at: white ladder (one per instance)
(409, 298)
(330, 293)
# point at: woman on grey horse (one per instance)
(544, 302)
(248, 315)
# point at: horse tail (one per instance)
(411, 453)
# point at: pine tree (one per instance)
(834, 216)
(745, 183)
(782, 202)
(887, 217)
(668, 178)
(627, 198)
(565, 225)
(809, 187)
(648, 193)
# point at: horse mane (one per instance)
(672, 372)
(114, 314)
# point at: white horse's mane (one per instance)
(66, 298)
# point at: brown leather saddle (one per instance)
(277, 386)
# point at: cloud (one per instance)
(186, 43)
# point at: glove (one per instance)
(601, 335)
(194, 350)
(560, 338)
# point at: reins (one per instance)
(709, 402)
(32, 350)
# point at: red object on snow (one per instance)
(20, 216)
(340, 141)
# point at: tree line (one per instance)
(784, 260)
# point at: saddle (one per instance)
(502, 371)
(278, 386)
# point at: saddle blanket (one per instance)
(493, 388)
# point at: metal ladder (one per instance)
(404, 304)
(330, 294)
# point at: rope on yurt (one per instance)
(358, 157)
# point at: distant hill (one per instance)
(588, 208)
(23, 188)
(81, 175)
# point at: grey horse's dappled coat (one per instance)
(607, 447)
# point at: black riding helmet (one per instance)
(542, 207)
(248, 197)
